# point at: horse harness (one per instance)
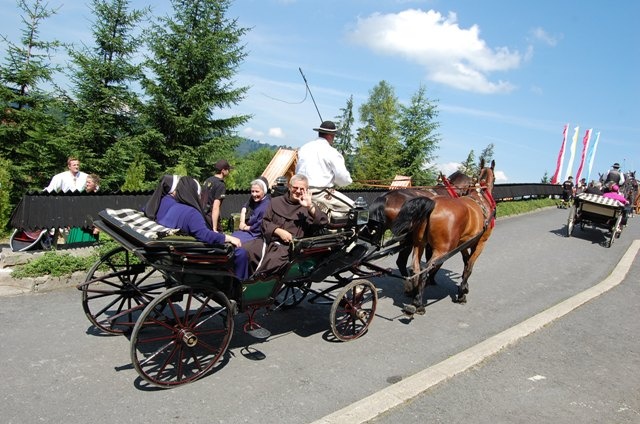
(489, 215)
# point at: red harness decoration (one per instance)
(492, 203)
(452, 192)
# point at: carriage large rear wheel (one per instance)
(181, 335)
(116, 290)
(353, 310)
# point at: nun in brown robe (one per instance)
(290, 216)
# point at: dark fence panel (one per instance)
(50, 210)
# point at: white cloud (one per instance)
(251, 133)
(276, 132)
(450, 55)
(541, 35)
(448, 168)
(501, 177)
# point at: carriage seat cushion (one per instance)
(141, 224)
(600, 200)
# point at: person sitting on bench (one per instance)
(181, 209)
(287, 217)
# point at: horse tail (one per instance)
(412, 213)
(376, 210)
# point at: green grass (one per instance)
(523, 206)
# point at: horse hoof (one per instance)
(409, 309)
(420, 310)
(462, 299)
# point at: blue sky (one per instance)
(511, 73)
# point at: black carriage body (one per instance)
(178, 297)
(599, 212)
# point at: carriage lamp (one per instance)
(361, 211)
(360, 203)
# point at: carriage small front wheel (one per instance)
(353, 310)
(181, 335)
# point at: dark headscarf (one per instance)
(188, 193)
(167, 184)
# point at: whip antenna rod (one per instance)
(309, 90)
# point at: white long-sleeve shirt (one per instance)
(66, 181)
(322, 164)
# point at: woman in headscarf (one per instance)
(181, 209)
(250, 226)
(168, 184)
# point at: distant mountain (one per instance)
(247, 146)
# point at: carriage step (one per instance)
(259, 333)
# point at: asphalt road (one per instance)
(582, 367)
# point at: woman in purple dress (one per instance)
(181, 209)
(250, 227)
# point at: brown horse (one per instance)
(442, 226)
(385, 208)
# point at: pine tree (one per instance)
(30, 134)
(104, 111)
(417, 127)
(469, 167)
(194, 56)
(378, 146)
(487, 154)
(344, 140)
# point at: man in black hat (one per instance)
(213, 193)
(613, 177)
(324, 166)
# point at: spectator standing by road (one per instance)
(213, 193)
(567, 192)
(70, 180)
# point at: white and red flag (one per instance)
(554, 179)
(591, 155)
(585, 147)
(574, 141)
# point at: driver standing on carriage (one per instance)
(324, 166)
(614, 177)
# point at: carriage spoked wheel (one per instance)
(353, 310)
(571, 221)
(116, 290)
(181, 335)
(291, 295)
(615, 231)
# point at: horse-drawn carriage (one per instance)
(178, 298)
(598, 212)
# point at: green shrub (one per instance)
(6, 186)
(54, 264)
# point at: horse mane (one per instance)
(456, 175)
(376, 210)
